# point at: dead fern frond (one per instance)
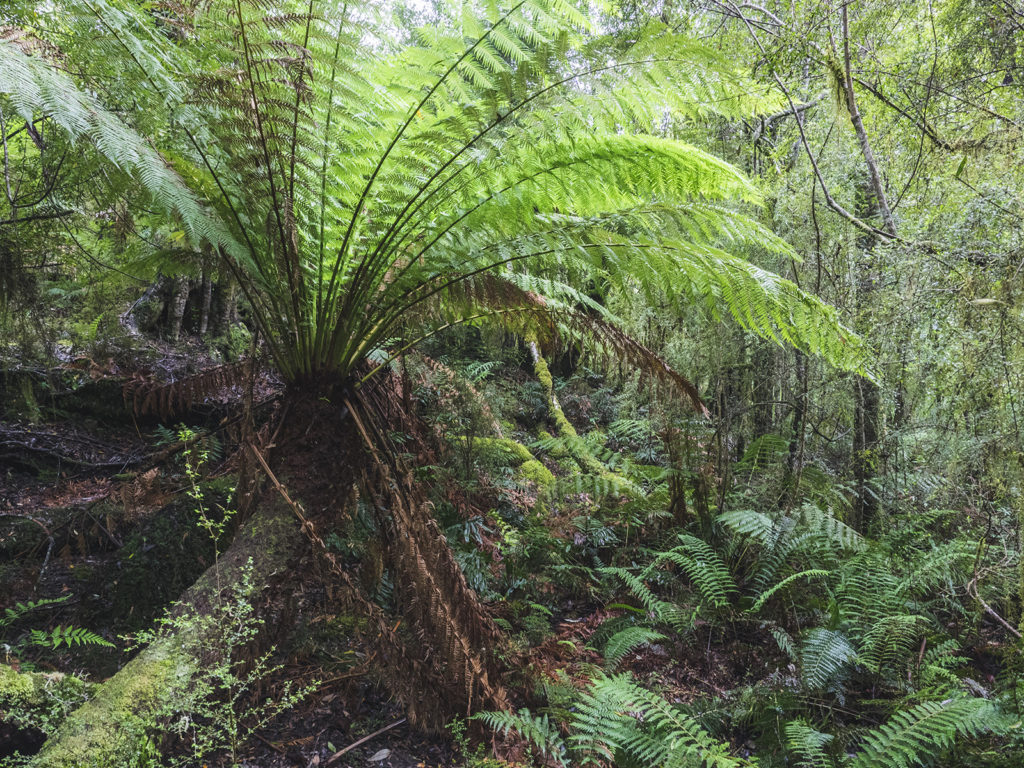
(147, 397)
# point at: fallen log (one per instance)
(118, 723)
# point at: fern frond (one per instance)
(615, 714)
(703, 567)
(916, 736)
(538, 730)
(624, 641)
(67, 636)
(19, 609)
(825, 657)
(767, 595)
(808, 745)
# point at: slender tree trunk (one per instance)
(206, 289)
(866, 394)
(226, 306)
(176, 307)
(795, 460)
(862, 137)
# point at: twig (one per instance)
(353, 745)
(269, 743)
(972, 590)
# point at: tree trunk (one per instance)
(226, 306)
(206, 293)
(866, 393)
(117, 722)
(176, 307)
(862, 137)
(795, 459)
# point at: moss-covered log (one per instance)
(115, 726)
(566, 432)
(32, 704)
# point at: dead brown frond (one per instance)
(455, 635)
(165, 399)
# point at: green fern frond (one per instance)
(18, 610)
(809, 745)
(825, 658)
(916, 736)
(767, 595)
(538, 730)
(703, 567)
(624, 641)
(659, 610)
(67, 636)
(890, 640)
(615, 715)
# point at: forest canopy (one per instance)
(511, 383)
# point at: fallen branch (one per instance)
(353, 745)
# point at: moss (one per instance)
(502, 451)
(538, 474)
(580, 449)
(558, 452)
(16, 687)
(110, 729)
(39, 701)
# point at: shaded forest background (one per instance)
(617, 384)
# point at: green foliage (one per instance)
(496, 153)
(617, 717)
(538, 730)
(825, 659)
(625, 640)
(217, 712)
(808, 745)
(68, 636)
(702, 566)
(51, 639)
(915, 736)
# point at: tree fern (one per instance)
(350, 181)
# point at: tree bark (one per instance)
(862, 137)
(176, 307)
(206, 292)
(866, 393)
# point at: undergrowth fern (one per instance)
(915, 736)
(624, 641)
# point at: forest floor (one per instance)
(95, 511)
(78, 501)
